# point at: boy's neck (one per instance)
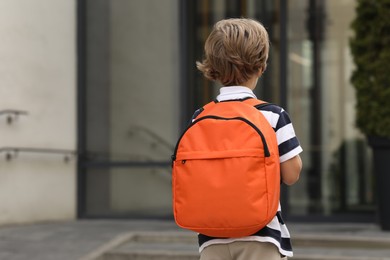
(251, 83)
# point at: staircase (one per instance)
(183, 246)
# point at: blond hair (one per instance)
(235, 50)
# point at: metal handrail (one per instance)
(120, 164)
(157, 138)
(12, 113)
(13, 151)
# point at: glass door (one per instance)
(337, 177)
(131, 107)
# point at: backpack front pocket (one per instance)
(211, 191)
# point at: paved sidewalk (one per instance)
(67, 240)
(75, 239)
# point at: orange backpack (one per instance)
(225, 171)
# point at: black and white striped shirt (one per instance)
(276, 231)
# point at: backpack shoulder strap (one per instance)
(210, 104)
(200, 110)
(255, 102)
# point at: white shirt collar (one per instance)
(235, 92)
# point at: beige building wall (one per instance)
(38, 75)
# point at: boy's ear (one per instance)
(259, 72)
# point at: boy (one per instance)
(236, 54)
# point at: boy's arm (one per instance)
(290, 170)
(288, 144)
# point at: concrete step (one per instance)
(183, 246)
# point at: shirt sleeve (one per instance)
(280, 121)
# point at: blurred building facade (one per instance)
(116, 81)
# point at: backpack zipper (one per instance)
(265, 145)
